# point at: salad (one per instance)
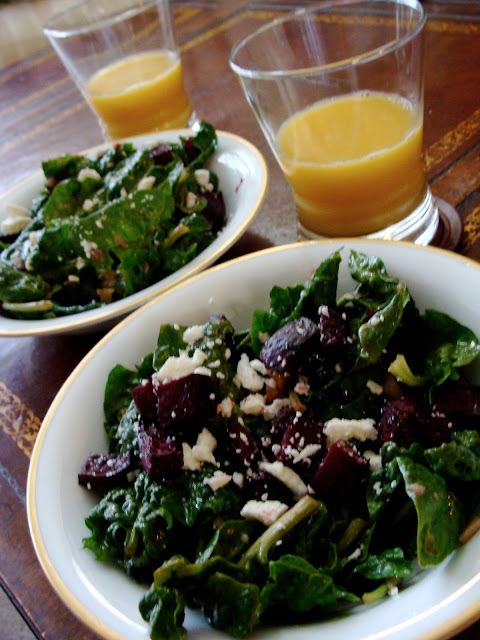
(312, 463)
(107, 226)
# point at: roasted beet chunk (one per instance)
(190, 149)
(145, 400)
(460, 398)
(333, 328)
(437, 429)
(180, 400)
(288, 350)
(303, 445)
(340, 474)
(159, 453)
(215, 211)
(261, 485)
(244, 446)
(162, 154)
(102, 472)
(399, 422)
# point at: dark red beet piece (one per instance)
(101, 472)
(244, 446)
(461, 398)
(159, 454)
(298, 434)
(215, 211)
(145, 400)
(162, 154)
(399, 422)
(437, 429)
(289, 349)
(333, 328)
(263, 486)
(182, 399)
(340, 474)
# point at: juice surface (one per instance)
(140, 93)
(354, 162)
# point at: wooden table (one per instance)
(42, 114)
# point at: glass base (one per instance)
(419, 227)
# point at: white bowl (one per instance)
(243, 180)
(440, 602)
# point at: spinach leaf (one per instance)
(164, 610)
(292, 302)
(20, 286)
(439, 520)
(296, 585)
(391, 563)
(459, 458)
(375, 334)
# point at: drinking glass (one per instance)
(123, 56)
(337, 89)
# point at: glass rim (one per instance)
(362, 58)
(53, 27)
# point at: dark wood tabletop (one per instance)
(42, 114)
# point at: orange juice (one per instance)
(140, 93)
(354, 163)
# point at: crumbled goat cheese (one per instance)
(374, 387)
(266, 512)
(182, 365)
(13, 224)
(218, 480)
(248, 376)
(306, 453)
(88, 172)
(287, 476)
(146, 182)
(302, 387)
(226, 407)
(191, 200)
(205, 446)
(238, 478)
(343, 429)
(374, 459)
(202, 177)
(88, 247)
(193, 333)
(202, 451)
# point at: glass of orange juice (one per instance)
(337, 89)
(123, 56)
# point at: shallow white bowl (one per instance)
(438, 603)
(243, 180)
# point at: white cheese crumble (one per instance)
(266, 512)
(225, 407)
(202, 451)
(182, 365)
(88, 172)
(374, 387)
(193, 333)
(217, 481)
(374, 459)
(191, 200)
(287, 476)
(88, 246)
(344, 429)
(146, 182)
(248, 376)
(202, 177)
(14, 224)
